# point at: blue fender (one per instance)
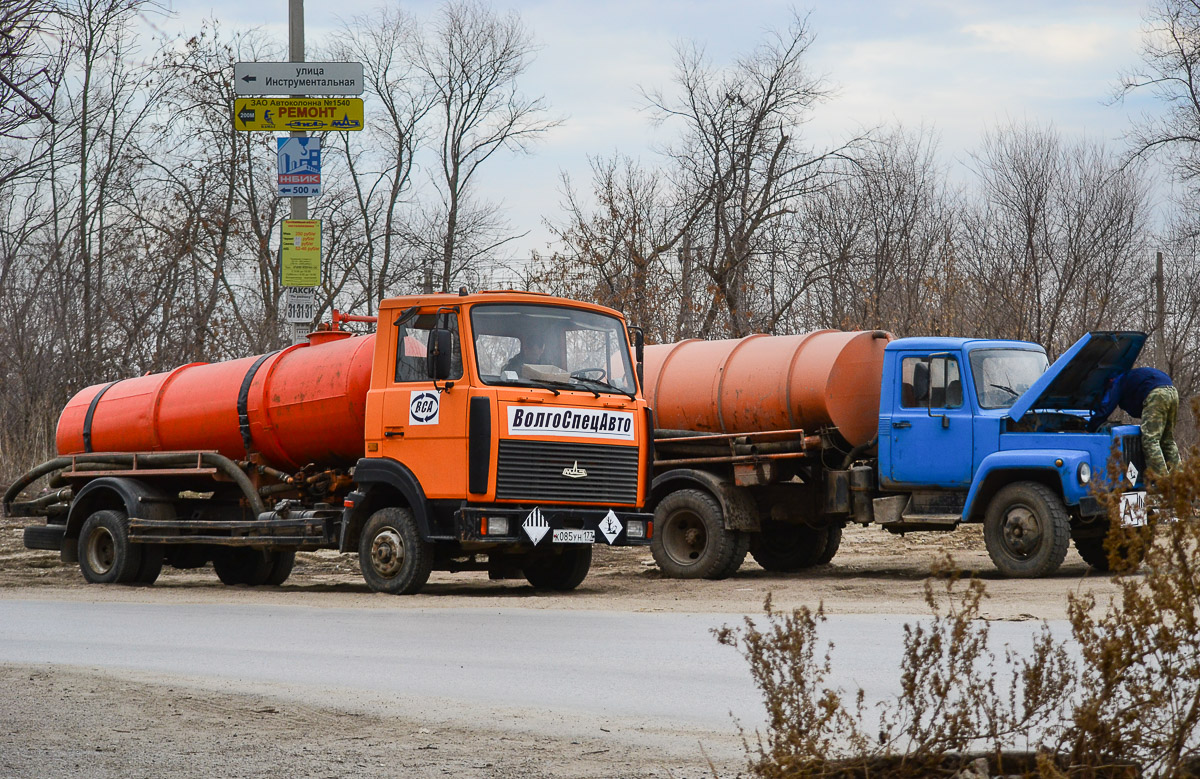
(1040, 465)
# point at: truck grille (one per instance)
(533, 470)
(1131, 450)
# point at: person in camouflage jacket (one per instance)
(1146, 394)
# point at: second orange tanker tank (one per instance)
(762, 382)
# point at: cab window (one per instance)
(930, 382)
(412, 338)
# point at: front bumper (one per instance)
(536, 525)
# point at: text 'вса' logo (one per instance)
(423, 408)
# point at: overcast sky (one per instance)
(957, 66)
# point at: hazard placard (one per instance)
(300, 253)
(279, 114)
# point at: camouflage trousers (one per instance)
(1158, 430)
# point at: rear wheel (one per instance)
(282, 569)
(785, 547)
(243, 565)
(1026, 530)
(690, 539)
(391, 553)
(152, 564)
(1092, 550)
(563, 571)
(105, 554)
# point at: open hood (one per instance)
(1076, 379)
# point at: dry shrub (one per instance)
(1120, 698)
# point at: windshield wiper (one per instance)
(532, 383)
(604, 383)
(1009, 390)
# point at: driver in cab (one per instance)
(533, 351)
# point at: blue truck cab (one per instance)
(974, 430)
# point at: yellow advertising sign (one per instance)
(281, 114)
(301, 253)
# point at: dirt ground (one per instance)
(105, 726)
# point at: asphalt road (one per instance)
(643, 674)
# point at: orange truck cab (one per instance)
(498, 431)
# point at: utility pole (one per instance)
(296, 54)
(1160, 315)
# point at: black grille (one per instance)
(1131, 451)
(533, 470)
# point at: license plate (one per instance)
(572, 536)
(1133, 509)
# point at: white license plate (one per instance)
(1133, 509)
(571, 536)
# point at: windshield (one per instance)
(1002, 375)
(551, 346)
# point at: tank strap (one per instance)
(91, 412)
(243, 400)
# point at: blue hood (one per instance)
(1076, 380)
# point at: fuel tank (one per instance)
(769, 382)
(303, 404)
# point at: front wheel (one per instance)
(105, 554)
(563, 571)
(1026, 530)
(393, 557)
(690, 539)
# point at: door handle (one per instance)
(902, 424)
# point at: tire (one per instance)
(690, 539)
(105, 554)
(1026, 530)
(243, 565)
(152, 564)
(47, 537)
(282, 567)
(787, 547)
(392, 555)
(563, 571)
(1091, 549)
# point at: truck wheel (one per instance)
(281, 569)
(105, 554)
(690, 539)
(1026, 530)
(243, 565)
(1091, 549)
(152, 564)
(391, 553)
(786, 547)
(562, 572)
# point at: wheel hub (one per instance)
(387, 553)
(684, 538)
(1022, 533)
(101, 551)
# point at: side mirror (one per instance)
(639, 350)
(438, 351)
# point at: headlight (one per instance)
(1085, 472)
(635, 528)
(495, 526)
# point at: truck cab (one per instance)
(987, 431)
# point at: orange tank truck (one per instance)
(746, 430)
(497, 431)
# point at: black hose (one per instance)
(856, 451)
(220, 462)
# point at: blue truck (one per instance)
(969, 431)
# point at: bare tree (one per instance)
(743, 163)
(1171, 72)
(29, 69)
(473, 58)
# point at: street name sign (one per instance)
(298, 78)
(300, 253)
(299, 167)
(313, 114)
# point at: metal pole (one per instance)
(296, 54)
(1160, 318)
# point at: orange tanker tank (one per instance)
(764, 382)
(304, 404)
